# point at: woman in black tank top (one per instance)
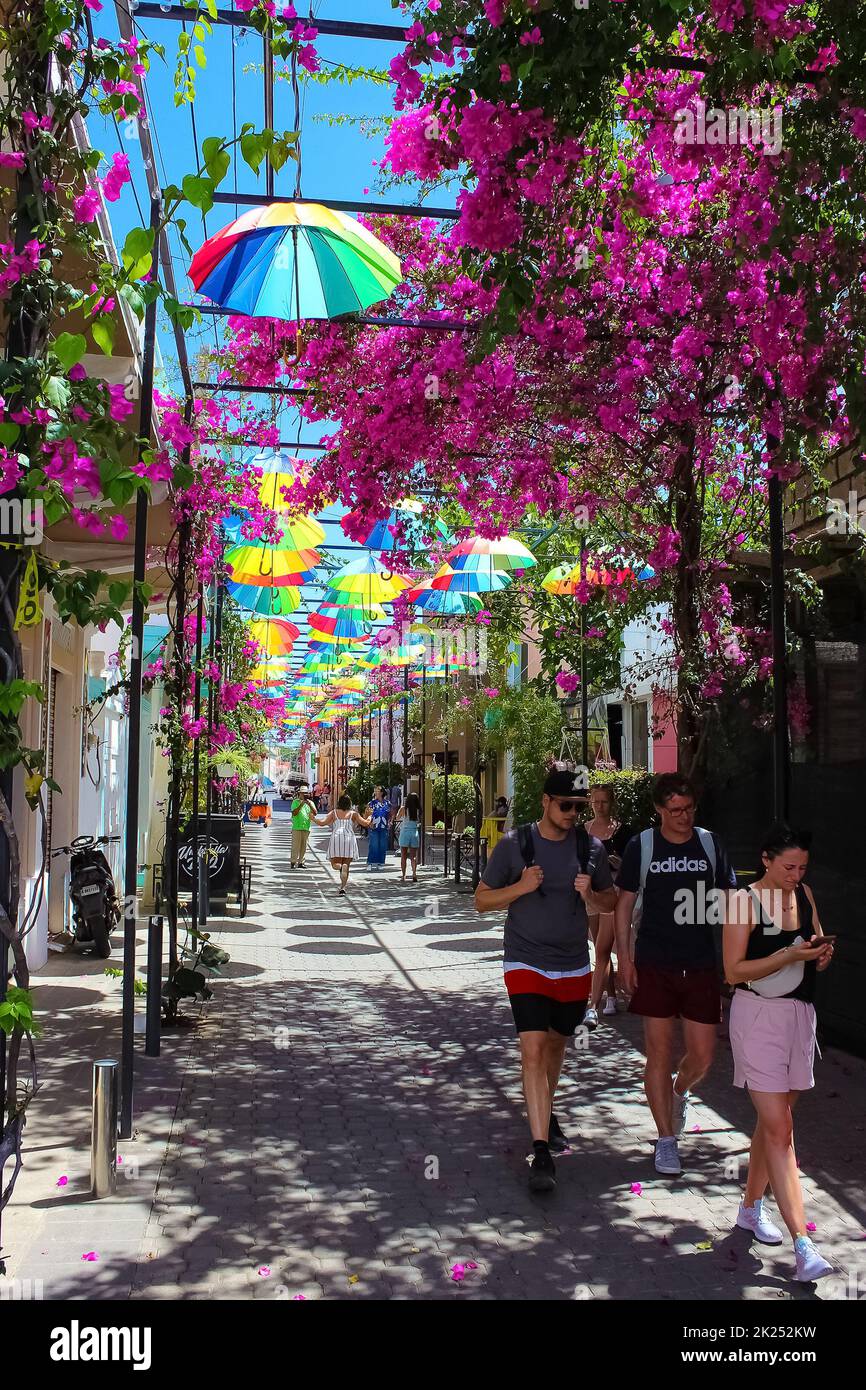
(773, 946)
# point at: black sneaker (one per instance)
(556, 1140)
(542, 1174)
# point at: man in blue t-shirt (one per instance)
(683, 874)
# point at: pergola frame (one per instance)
(342, 29)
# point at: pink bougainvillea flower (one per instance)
(116, 177)
(810, 1226)
(11, 159)
(91, 1256)
(61, 1182)
(636, 1188)
(299, 1298)
(86, 206)
(264, 1271)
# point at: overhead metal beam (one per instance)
(257, 200)
(385, 321)
(334, 28)
(148, 154)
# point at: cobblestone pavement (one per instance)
(348, 1116)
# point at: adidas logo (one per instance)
(672, 865)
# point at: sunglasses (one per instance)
(570, 805)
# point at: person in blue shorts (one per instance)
(408, 818)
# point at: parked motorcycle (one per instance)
(95, 905)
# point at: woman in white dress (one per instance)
(342, 846)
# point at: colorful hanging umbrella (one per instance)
(263, 261)
(276, 637)
(354, 603)
(367, 579)
(471, 581)
(299, 533)
(253, 564)
(338, 626)
(267, 601)
(564, 579)
(483, 553)
(442, 602)
(380, 657)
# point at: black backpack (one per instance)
(584, 850)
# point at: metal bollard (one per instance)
(154, 986)
(103, 1143)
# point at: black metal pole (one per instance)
(781, 746)
(584, 693)
(154, 977)
(423, 762)
(209, 769)
(195, 870)
(133, 728)
(172, 833)
(405, 733)
(447, 762)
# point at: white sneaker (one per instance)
(753, 1219)
(590, 1019)
(609, 1005)
(811, 1264)
(668, 1157)
(680, 1111)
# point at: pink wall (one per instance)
(665, 745)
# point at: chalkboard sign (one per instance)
(224, 857)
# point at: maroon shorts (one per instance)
(668, 993)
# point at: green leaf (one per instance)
(9, 432)
(200, 56)
(137, 253)
(118, 592)
(69, 348)
(57, 392)
(103, 333)
(253, 150)
(210, 6)
(132, 296)
(198, 191)
(217, 160)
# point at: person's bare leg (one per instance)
(603, 948)
(556, 1045)
(658, 1040)
(344, 874)
(777, 1125)
(403, 858)
(413, 856)
(758, 1179)
(536, 1087)
(700, 1040)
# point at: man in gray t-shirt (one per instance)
(547, 875)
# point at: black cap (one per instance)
(574, 784)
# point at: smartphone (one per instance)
(822, 940)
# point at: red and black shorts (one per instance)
(663, 992)
(540, 1001)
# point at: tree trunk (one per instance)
(687, 513)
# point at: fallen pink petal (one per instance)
(637, 1188)
(61, 1182)
(264, 1272)
(90, 1256)
(810, 1226)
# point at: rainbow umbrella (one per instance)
(295, 261)
(378, 657)
(341, 628)
(407, 512)
(443, 602)
(276, 637)
(564, 579)
(471, 581)
(261, 565)
(265, 600)
(299, 533)
(355, 603)
(483, 554)
(368, 579)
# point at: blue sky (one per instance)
(337, 159)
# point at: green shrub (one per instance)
(633, 791)
(461, 794)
